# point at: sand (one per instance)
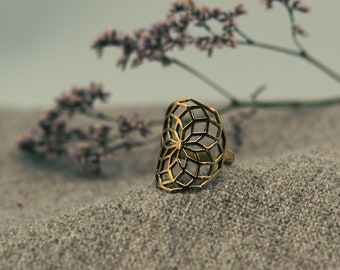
(276, 207)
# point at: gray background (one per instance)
(44, 50)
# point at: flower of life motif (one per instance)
(192, 147)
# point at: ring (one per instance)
(193, 146)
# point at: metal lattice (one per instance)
(192, 147)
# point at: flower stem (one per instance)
(267, 46)
(280, 104)
(205, 79)
(268, 105)
(301, 54)
(100, 115)
(322, 67)
(296, 41)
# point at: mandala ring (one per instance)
(193, 146)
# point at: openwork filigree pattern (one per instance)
(192, 147)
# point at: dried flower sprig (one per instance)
(292, 7)
(87, 147)
(155, 42)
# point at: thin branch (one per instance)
(130, 144)
(300, 54)
(247, 38)
(269, 105)
(270, 47)
(248, 41)
(322, 67)
(296, 41)
(303, 52)
(100, 115)
(280, 104)
(124, 145)
(205, 79)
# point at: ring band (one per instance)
(193, 146)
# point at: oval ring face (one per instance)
(192, 147)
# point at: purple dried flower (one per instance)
(293, 5)
(26, 143)
(127, 126)
(300, 31)
(99, 133)
(86, 157)
(154, 43)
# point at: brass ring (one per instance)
(193, 146)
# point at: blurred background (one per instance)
(45, 49)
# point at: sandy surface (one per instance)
(277, 207)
